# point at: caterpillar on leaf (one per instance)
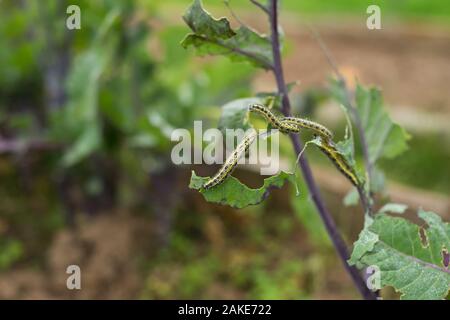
(231, 162)
(329, 149)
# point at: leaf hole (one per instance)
(423, 237)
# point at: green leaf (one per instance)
(384, 137)
(80, 123)
(237, 195)
(235, 114)
(250, 45)
(412, 267)
(82, 111)
(365, 243)
(202, 23)
(215, 37)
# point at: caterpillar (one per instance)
(274, 120)
(307, 124)
(231, 162)
(327, 147)
(285, 125)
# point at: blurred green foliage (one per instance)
(10, 252)
(433, 159)
(105, 97)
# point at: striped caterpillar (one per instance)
(328, 147)
(291, 124)
(274, 120)
(231, 162)
(307, 124)
(285, 125)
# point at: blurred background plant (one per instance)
(85, 123)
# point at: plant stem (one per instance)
(261, 6)
(326, 217)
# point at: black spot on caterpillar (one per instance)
(307, 124)
(274, 120)
(328, 147)
(231, 162)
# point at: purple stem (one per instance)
(326, 217)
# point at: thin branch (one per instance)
(277, 66)
(326, 217)
(261, 6)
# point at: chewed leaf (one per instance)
(394, 245)
(202, 23)
(237, 195)
(366, 242)
(215, 37)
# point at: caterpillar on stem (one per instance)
(273, 119)
(231, 162)
(328, 147)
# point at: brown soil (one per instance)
(106, 249)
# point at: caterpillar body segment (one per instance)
(329, 149)
(311, 125)
(284, 127)
(231, 162)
